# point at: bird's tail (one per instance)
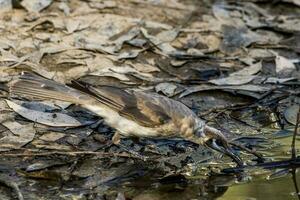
(32, 85)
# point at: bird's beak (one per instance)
(217, 141)
(225, 150)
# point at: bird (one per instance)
(131, 113)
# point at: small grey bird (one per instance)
(131, 113)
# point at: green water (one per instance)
(257, 183)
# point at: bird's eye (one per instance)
(219, 142)
(210, 141)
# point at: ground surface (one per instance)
(236, 64)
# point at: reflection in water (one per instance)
(280, 185)
(208, 189)
(260, 188)
(221, 187)
(293, 172)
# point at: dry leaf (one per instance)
(35, 5)
(168, 89)
(52, 136)
(233, 80)
(51, 119)
(284, 65)
(248, 87)
(19, 136)
(251, 70)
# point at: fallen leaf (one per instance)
(129, 35)
(296, 2)
(72, 25)
(103, 4)
(248, 87)
(43, 164)
(165, 47)
(168, 35)
(137, 42)
(53, 146)
(251, 70)
(35, 5)
(5, 5)
(129, 54)
(233, 80)
(288, 24)
(19, 136)
(275, 80)
(51, 119)
(290, 114)
(143, 67)
(284, 65)
(52, 136)
(235, 39)
(168, 89)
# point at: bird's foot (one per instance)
(116, 140)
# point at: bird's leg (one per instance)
(116, 140)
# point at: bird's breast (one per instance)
(127, 127)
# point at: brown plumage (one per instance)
(131, 113)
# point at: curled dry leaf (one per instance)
(51, 119)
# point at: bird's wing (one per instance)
(139, 108)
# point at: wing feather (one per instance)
(128, 104)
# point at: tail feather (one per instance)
(31, 85)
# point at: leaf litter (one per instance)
(236, 64)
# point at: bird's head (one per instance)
(214, 139)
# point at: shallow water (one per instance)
(255, 183)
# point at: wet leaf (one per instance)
(278, 174)
(234, 39)
(290, 114)
(43, 164)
